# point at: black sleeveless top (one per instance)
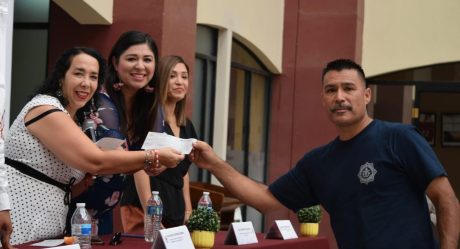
(169, 183)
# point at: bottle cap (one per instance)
(206, 193)
(155, 192)
(79, 205)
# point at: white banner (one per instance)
(6, 47)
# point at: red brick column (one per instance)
(315, 32)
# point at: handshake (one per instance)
(164, 151)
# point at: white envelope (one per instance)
(156, 140)
(109, 143)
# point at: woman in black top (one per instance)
(173, 184)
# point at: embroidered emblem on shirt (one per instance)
(367, 173)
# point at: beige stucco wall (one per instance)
(89, 11)
(256, 23)
(411, 33)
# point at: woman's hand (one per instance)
(158, 170)
(187, 216)
(169, 157)
(6, 229)
(83, 185)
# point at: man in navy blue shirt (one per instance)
(372, 179)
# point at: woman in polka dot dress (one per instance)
(46, 150)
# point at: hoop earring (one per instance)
(117, 86)
(149, 89)
(59, 91)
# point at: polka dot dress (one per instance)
(37, 208)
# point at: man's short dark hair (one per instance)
(341, 64)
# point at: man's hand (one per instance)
(203, 155)
(6, 229)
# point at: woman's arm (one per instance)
(187, 201)
(60, 134)
(6, 228)
(142, 183)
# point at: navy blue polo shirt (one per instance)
(372, 186)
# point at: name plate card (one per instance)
(281, 229)
(175, 238)
(241, 233)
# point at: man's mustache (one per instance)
(341, 106)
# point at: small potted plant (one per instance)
(203, 224)
(309, 219)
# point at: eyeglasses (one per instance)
(116, 239)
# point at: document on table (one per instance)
(156, 140)
(74, 246)
(49, 243)
(52, 243)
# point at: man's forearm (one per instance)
(253, 193)
(447, 211)
(448, 223)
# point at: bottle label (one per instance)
(154, 210)
(86, 229)
(205, 205)
(209, 207)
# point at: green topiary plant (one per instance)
(204, 219)
(310, 214)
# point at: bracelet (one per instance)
(157, 159)
(152, 159)
(148, 162)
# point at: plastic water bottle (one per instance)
(81, 226)
(153, 215)
(205, 201)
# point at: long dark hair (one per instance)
(165, 67)
(143, 111)
(52, 83)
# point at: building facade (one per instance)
(257, 67)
